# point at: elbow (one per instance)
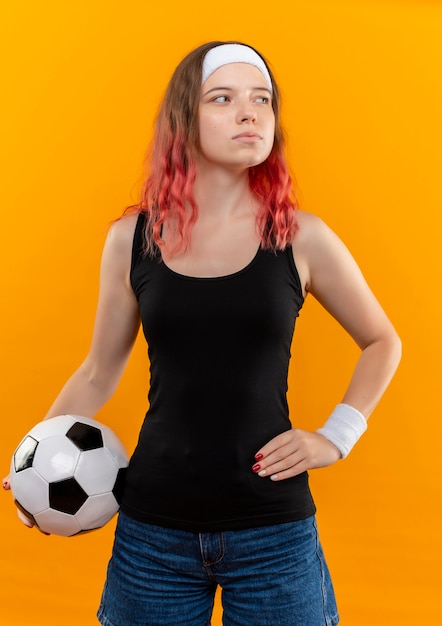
(100, 379)
(392, 349)
(397, 348)
(387, 345)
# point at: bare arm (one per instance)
(336, 281)
(331, 275)
(115, 330)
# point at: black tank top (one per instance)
(219, 350)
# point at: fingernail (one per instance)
(259, 456)
(274, 477)
(5, 484)
(262, 473)
(256, 467)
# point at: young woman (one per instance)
(216, 262)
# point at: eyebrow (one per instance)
(221, 88)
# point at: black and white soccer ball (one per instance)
(67, 475)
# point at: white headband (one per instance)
(233, 53)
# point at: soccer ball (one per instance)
(67, 475)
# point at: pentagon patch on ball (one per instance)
(67, 475)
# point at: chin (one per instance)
(255, 162)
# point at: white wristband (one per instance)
(344, 427)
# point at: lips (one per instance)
(248, 137)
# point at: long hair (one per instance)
(172, 166)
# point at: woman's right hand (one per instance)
(21, 516)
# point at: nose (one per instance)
(246, 113)
(249, 117)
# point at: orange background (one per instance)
(361, 81)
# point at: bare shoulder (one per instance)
(310, 245)
(312, 229)
(117, 252)
(121, 232)
(306, 220)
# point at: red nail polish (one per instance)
(256, 467)
(259, 456)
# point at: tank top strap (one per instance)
(138, 241)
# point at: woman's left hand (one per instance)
(293, 452)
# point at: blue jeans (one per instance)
(269, 576)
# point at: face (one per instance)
(236, 119)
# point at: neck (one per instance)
(221, 192)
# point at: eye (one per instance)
(263, 99)
(221, 99)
